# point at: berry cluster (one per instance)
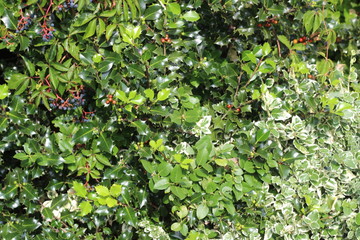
(47, 32)
(76, 100)
(304, 40)
(230, 106)
(67, 5)
(110, 99)
(268, 23)
(85, 116)
(166, 39)
(23, 24)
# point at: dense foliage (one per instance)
(164, 119)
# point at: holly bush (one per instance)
(164, 119)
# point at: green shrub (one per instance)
(194, 119)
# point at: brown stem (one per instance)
(238, 85)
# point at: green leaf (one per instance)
(9, 192)
(249, 167)
(176, 226)
(111, 202)
(141, 126)
(192, 116)
(266, 49)
(331, 37)
(284, 170)
(100, 28)
(109, 30)
(285, 41)
(153, 12)
(248, 56)
(221, 162)
(9, 20)
(148, 166)
(317, 21)
(164, 169)
(83, 135)
(357, 219)
(158, 62)
(16, 80)
(191, 16)
(174, 8)
(60, 67)
(85, 208)
(280, 114)
(108, 13)
(162, 184)
(54, 77)
(176, 174)
(202, 156)
(90, 29)
(29, 66)
(106, 143)
(202, 211)
(181, 193)
(48, 214)
(163, 94)
(308, 20)
(80, 189)
(138, 100)
(262, 135)
(102, 191)
(96, 58)
(30, 224)
(105, 66)
(130, 216)
(136, 70)
(83, 19)
(4, 91)
(133, 8)
(292, 156)
(29, 192)
(229, 206)
(24, 43)
(149, 93)
(102, 159)
(4, 122)
(115, 190)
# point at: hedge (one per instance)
(164, 119)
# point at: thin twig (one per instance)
(252, 75)
(238, 85)
(278, 45)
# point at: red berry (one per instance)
(259, 25)
(113, 102)
(107, 101)
(238, 110)
(267, 25)
(163, 40)
(276, 22)
(229, 106)
(301, 40)
(311, 76)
